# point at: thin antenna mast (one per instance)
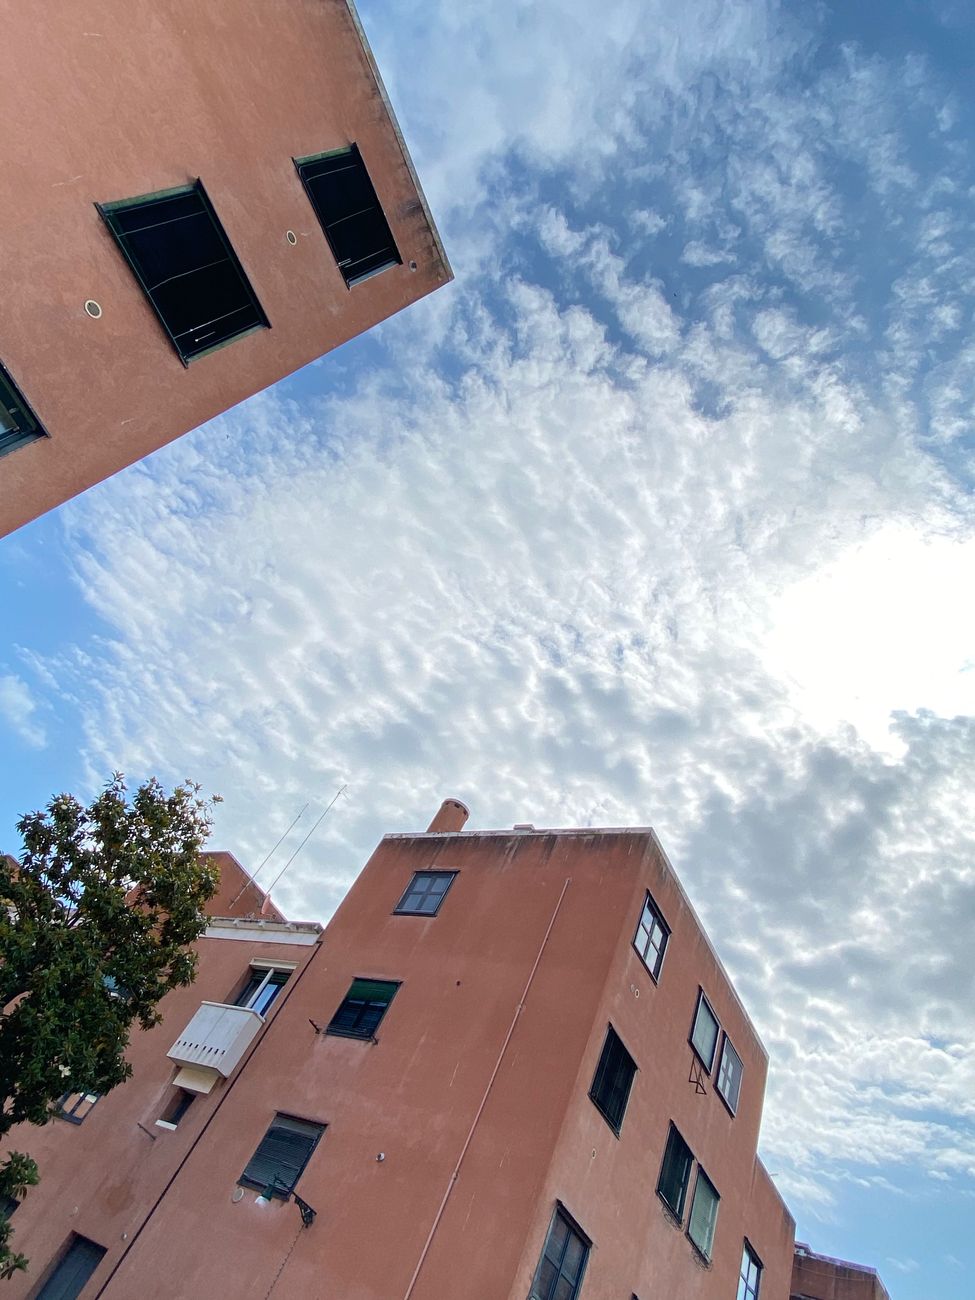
(253, 879)
(305, 840)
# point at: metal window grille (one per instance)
(704, 1214)
(675, 1172)
(563, 1262)
(362, 1009)
(614, 1076)
(704, 1036)
(651, 938)
(284, 1152)
(345, 202)
(18, 423)
(185, 263)
(425, 893)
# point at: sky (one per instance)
(661, 513)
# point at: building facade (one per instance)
(511, 1067)
(203, 198)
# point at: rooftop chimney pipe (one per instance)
(451, 817)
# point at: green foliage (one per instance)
(95, 923)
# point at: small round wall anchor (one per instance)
(238, 1195)
(292, 238)
(413, 266)
(93, 309)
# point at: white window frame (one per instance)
(731, 1101)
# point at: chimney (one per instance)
(451, 817)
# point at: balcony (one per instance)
(216, 1038)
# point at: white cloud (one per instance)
(17, 708)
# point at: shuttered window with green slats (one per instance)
(285, 1149)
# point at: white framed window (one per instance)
(729, 1075)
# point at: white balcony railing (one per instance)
(217, 1037)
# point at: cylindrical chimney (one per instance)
(451, 816)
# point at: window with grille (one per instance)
(425, 893)
(184, 262)
(18, 423)
(263, 985)
(350, 213)
(285, 1150)
(675, 1173)
(750, 1276)
(563, 1262)
(75, 1106)
(362, 1009)
(704, 1035)
(729, 1075)
(651, 938)
(614, 1076)
(72, 1271)
(704, 1214)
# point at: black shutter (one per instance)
(346, 204)
(283, 1153)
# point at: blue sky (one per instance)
(662, 512)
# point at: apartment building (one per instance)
(202, 199)
(511, 1068)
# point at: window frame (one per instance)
(702, 1177)
(108, 212)
(351, 150)
(401, 910)
(57, 1264)
(270, 970)
(650, 904)
(330, 1028)
(19, 436)
(612, 1039)
(85, 1099)
(702, 1001)
(728, 1045)
(270, 1184)
(745, 1290)
(574, 1230)
(677, 1211)
(175, 1108)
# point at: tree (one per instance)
(96, 920)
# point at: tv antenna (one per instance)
(253, 879)
(314, 828)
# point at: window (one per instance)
(426, 892)
(75, 1106)
(18, 423)
(175, 1108)
(363, 1008)
(180, 255)
(675, 1172)
(750, 1277)
(345, 203)
(651, 937)
(285, 1149)
(73, 1270)
(614, 1074)
(262, 987)
(704, 1214)
(729, 1075)
(704, 1036)
(563, 1262)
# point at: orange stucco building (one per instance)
(202, 198)
(511, 1066)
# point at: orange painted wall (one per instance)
(819, 1277)
(126, 97)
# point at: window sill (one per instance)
(675, 1220)
(611, 1126)
(348, 1033)
(702, 1260)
